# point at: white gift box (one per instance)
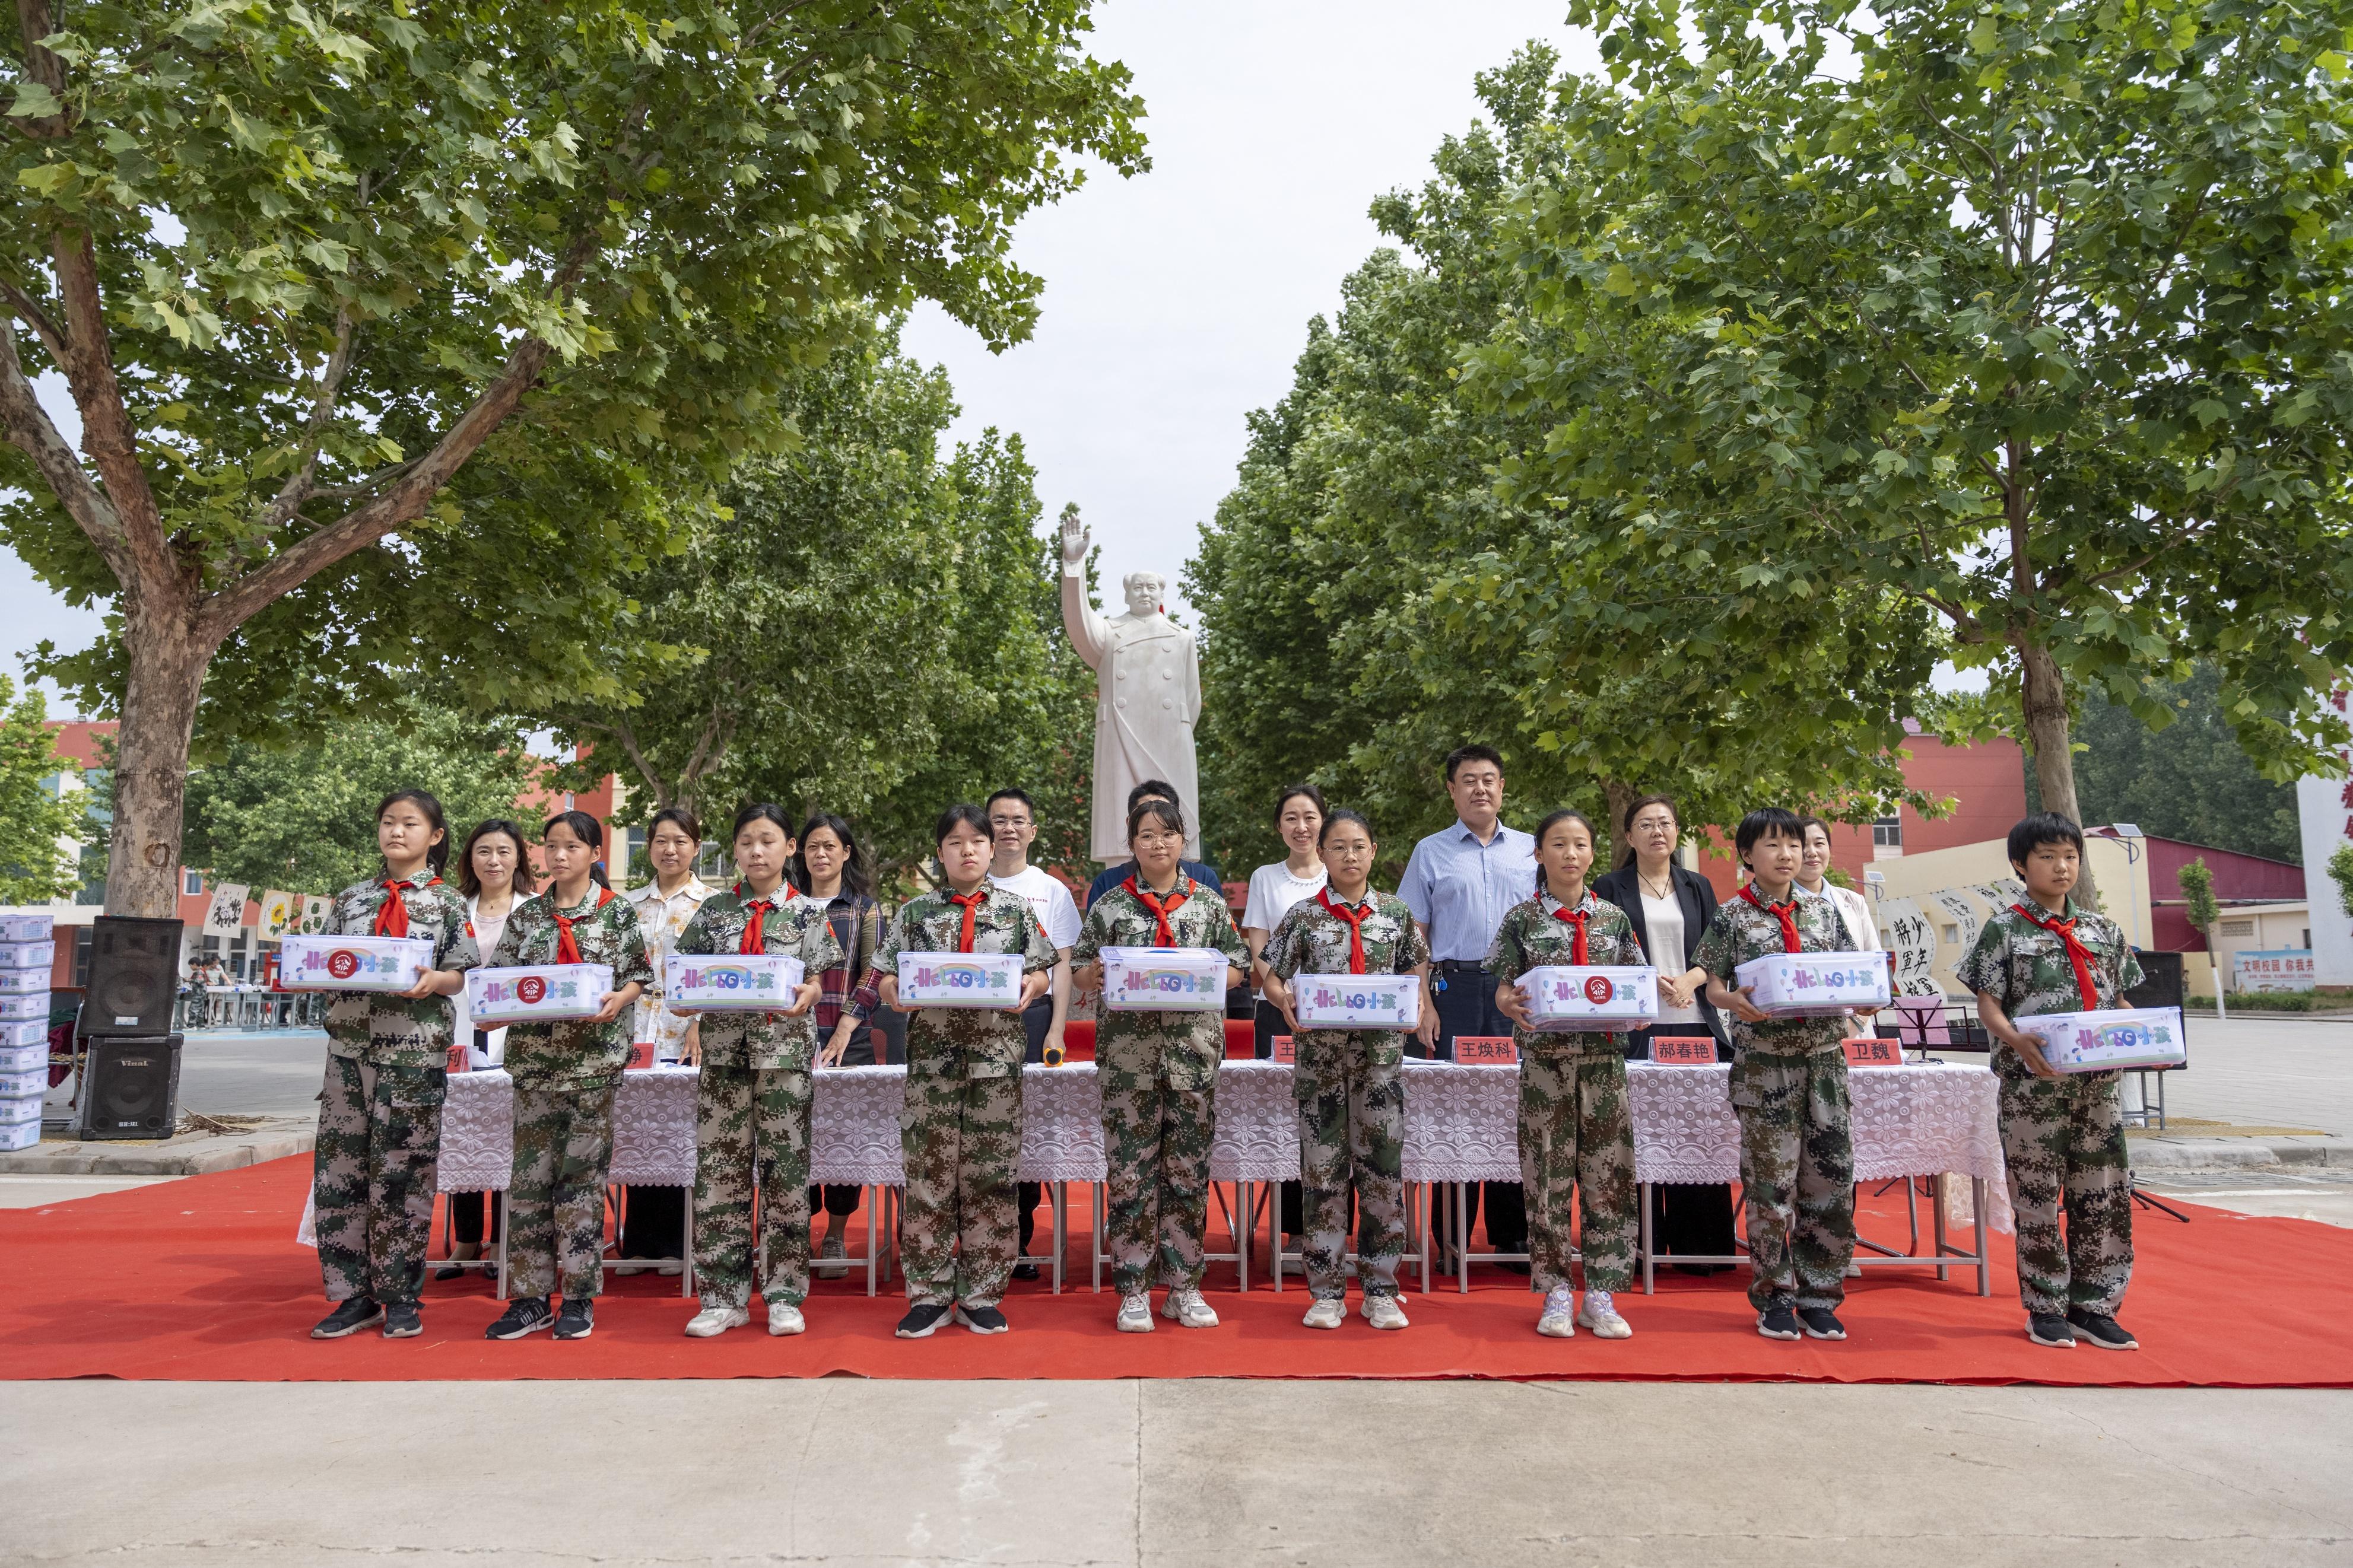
(25, 1058)
(960, 979)
(27, 928)
(735, 981)
(1815, 985)
(20, 1135)
(1355, 1001)
(1163, 979)
(1564, 998)
(20, 1034)
(15, 1083)
(352, 963)
(27, 955)
(23, 982)
(20, 1109)
(537, 993)
(2120, 1038)
(26, 1007)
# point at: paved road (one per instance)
(272, 1073)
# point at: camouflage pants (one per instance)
(2064, 1142)
(962, 1139)
(1797, 1166)
(1351, 1102)
(1576, 1133)
(555, 1202)
(750, 1134)
(1156, 1133)
(374, 1173)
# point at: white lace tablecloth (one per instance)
(653, 1129)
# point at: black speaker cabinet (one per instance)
(130, 1087)
(134, 969)
(2160, 980)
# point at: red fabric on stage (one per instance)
(202, 1279)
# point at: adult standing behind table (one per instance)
(494, 870)
(1671, 907)
(1813, 876)
(653, 1222)
(1460, 884)
(1013, 825)
(1299, 813)
(830, 869)
(1121, 869)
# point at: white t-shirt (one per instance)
(1273, 890)
(1048, 900)
(1663, 919)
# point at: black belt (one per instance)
(1461, 966)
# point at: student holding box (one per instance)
(2063, 1134)
(565, 1075)
(1347, 1081)
(1159, 1073)
(1576, 1132)
(962, 1131)
(751, 1103)
(1789, 1090)
(376, 1165)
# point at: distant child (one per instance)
(1575, 1130)
(377, 1163)
(1789, 1087)
(2062, 1133)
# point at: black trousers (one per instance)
(466, 1211)
(1694, 1219)
(1266, 1023)
(1036, 1019)
(653, 1222)
(842, 1201)
(1466, 1006)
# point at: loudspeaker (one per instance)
(134, 969)
(2160, 980)
(130, 1087)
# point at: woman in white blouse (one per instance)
(1813, 875)
(493, 873)
(653, 1222)
(1273, 888)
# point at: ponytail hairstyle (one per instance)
(1554, 820)
(1167, 813)
(586, 829)
(1306, 792)
(856, 879)
(437, 854)
(1334, 818)
(756, 811)
(970, 815)
(525, 878)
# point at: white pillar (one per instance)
(2322, 804)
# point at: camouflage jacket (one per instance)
(965, 1042)
(2026, 969)
(795, 929)
(1119, 919)
(1531, 938)
(1741, 932)
(377, 1027)
(576, 1053)
(1311, 940)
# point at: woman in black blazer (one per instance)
(1691, 1220)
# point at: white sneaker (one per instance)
(784, 1318)
(1558, 1321)
(625, 1269)
(672, 1270)
(1383, 1312)
(1134, 1314)
(1599, 1313)
(1187, 1307)
(713, 1321)
(833, 1259)
(1326, 1314)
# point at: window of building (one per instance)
(81, 938)
(192, 883)
(2238, 928)
(1887, 837)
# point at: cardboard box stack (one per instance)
(28, 948)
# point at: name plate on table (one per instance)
(26, 1007)
(1355, 1001)
(960, 979)
(1815, 985)
(2121, 1037)
(1870, 1051)
(537, 993)
(1486, 1051)
(737, 982)
(352, 963)
(27, 928)
(1564, 998)
(28, 955)
(1283, 1048)
(1163, 979)
(1683, 1050)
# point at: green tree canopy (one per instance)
(37, 813)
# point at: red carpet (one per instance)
(201, 1279)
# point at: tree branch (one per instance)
(42, 67)
(52, 336)
(144, 559)
(297, 488)
(31, 431)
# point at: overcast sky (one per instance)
(1177, 302)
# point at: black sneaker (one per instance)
(1777, 1324)
(982, 1319)
(524, 1315)
(922, 1318)
(2050, 1329)
(350, 1316)
(1025, 1272)
(402, 1320)
(2101, 1332)
(1821, 1323)
(579, 1318)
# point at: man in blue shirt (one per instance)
(1460, 883)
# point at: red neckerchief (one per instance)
(1161, 909)
(1786, 912)
(970, 903)
(566, 950)
(1574, 918)
(1355, 919)
(2077, 953)
(756, 940)
(392, 915)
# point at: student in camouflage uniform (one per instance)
(1159, 1073)
(961, 1132)
(1348, 1082)
(752, 1102)
(1575, 1128)
(2063, 1134)
(565, 1075)
(377, 1161)
(1789, 1087)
